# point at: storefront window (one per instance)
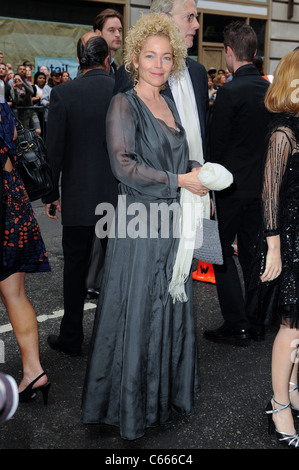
(193, 51)
(213, 26)
(259, 27)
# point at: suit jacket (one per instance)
(76, 147)
(239, 126)
(199, 80)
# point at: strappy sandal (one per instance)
(287, 440)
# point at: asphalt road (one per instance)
(229, 409)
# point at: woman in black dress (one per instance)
(280, 257)
(22, 251)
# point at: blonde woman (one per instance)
(143, 362)
(280, 268)
(219, 81)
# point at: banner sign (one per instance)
(57, 64)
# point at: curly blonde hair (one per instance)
(154, 25)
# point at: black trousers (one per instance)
(239, 218)
(76, 244)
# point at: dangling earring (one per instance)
(136, 80)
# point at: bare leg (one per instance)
(294, 396)
(283, 368)
(23, 320)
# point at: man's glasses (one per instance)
(190, 17)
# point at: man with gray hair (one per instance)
(190, 92)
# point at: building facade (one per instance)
(276, 23)
(54, 28)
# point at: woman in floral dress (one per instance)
(22, 251)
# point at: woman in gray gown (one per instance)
(143, 360)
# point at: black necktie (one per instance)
(113, 68)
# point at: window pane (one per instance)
(213, 26)
(259, 27)
(193, 51)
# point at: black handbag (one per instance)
(207, 240)
(32, 161)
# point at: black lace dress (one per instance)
(278, 299)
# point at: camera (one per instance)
(52, 210)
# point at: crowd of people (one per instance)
(216, 78)
(27, 93)
(140, 137)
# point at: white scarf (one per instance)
(214, 177)
(194, 208)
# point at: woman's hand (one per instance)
(273, 259)
(191, 182)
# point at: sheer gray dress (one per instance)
(278, 300)
(143, 359)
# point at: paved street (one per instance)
(229, 409)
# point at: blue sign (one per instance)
(58, 64)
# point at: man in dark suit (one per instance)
(77, 149)
(237, 140)
(192, 100)
(108, 25)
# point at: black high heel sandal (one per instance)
(287, 440)
(29, 393)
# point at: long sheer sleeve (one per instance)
(279, 149)
(126, 139)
